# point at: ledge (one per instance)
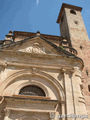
(30, 99)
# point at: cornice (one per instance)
(18, 54)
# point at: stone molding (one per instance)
(43, 75)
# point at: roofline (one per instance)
(17, 33)
(65, 5)
(58, 49)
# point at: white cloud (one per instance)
(37, 2)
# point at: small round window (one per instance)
(73, 12)
(32, 90)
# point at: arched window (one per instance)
(32, 90)
(73, 12)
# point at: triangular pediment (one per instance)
(36, 45)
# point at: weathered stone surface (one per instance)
(37, 59)
(77, 35)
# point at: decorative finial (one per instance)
(9, 36)
(38, 33)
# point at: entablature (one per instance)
(17, 58)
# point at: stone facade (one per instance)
(44, 76)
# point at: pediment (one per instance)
(36, 46)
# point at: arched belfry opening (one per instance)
(32, 90)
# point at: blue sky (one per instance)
(33, 15)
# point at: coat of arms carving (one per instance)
(34, 48)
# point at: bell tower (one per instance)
(73, 29)
(72, 26)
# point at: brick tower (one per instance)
(72, 27)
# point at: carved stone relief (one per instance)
(35, 48)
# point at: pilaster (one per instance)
(75, 102)
(7, 113)
(79, 101)
(70, 109)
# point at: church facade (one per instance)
(46, 77)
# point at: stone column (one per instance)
(69, 96)
(63, 111)
(7, 113)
